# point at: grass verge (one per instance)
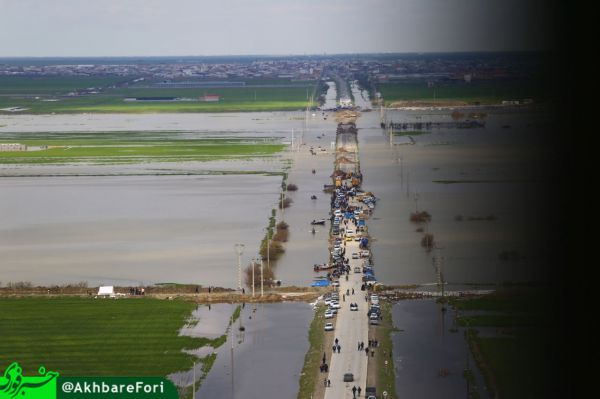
(381, 367)
(309, 377)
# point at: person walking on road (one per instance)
(336, 341)
(359, 390)
(354, 391)
(367, 351)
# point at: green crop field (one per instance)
(53, 84)
(132, 147)
(88, 337)
(47, 96)
(484, 92)
(514, 359)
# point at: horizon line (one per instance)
(284, 55)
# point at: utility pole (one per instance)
(239, 248)
(194, 383)
(262, 292)
(231, 340)
(417, 202)
(253, 262)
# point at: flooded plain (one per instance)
(264, 360)
(479, 185)
(131, 230)
(429, 359)
(140, 223)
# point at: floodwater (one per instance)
(131, 230)
(429, 359)
(361, 97)
(120, 228)
(266, 359)
(502, 172)
(144, 229)
(331, 96)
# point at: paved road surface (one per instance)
(350, 328)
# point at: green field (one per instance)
(132, 147)
(484, 92)
(54, 84)
(16, 92)
(88, 337)
(516, 360)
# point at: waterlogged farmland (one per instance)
(127, 147)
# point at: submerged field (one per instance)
(129, 147)
(87, 337)
(72, 95)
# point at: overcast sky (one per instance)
(231, 27)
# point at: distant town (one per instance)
(376, 67)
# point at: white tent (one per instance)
(108, 290)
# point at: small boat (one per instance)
(324, 266)
(320, 221)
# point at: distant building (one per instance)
(12, 147)
(210, 98)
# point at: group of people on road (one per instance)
(336, 346)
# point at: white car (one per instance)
(353, 307)
(355, 255)
(335, 284)
(335, 305)
(329, 327)
(329, 314)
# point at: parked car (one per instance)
(348, 377)
(329, 314)
(329, 327)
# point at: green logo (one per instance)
(13, 384)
